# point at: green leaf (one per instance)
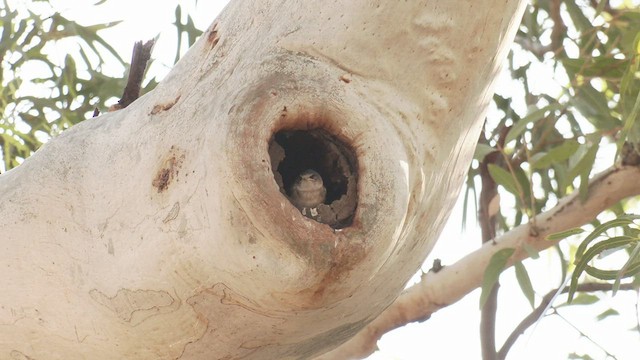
(524, 186)
(593, 105)
(630, 127)
(600, 229)
(601, 6)
(564, 234)
(630, 74)
(583, 169)
(575, 356)
(634, 259)
(519, 127)
(597, 66)
(581, 22)
(531, 251)
(606, 314)
(556, 155)
(525, 283)
(582, 262)
(504, 178)
(585, 299)
(497, 263)
(482, 150)
(601, 274)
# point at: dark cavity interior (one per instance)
(294, 151)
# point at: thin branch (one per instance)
(487, 221)
(538, 312)
(559, 28)
(609, 355)
(534, 47)
(445, 287)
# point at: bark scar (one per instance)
(169, 170)
(158, 108)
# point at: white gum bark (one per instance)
(159, 232)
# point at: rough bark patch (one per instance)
(169, 170)
(158, 108)
(213, 37)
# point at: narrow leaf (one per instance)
(492, 272)
(583, 261)
(482, 150)
(585, 299)
(577, 16)
(525, 283)
(520, 126)
(531, 251)
(564, 234)
(600, 229)
(601, 274)
(504, 178)
(606, 314)
(634, 257)
(556, 155)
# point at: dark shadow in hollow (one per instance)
(294, 151)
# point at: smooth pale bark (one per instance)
(158, 231)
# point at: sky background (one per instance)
(451, 333)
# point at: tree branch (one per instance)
(451, 283)
(487, 221)
(534, 47)
(533, 317)
(559, 28)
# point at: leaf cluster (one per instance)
(44, 89)
(545, 138)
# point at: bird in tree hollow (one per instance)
(308, 190)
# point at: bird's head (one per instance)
(309, 180)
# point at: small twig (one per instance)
(534, 47)
(538, 312)
(609, 355)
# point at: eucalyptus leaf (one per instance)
(585, 299)
(503, 177)
(537, 114)
(556, 155)
(492, 273)
(482, 150)
(525, 283)
(564, 234)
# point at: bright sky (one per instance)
(451, 333)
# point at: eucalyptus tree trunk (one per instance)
(165, 230)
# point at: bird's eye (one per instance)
(313, 177)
